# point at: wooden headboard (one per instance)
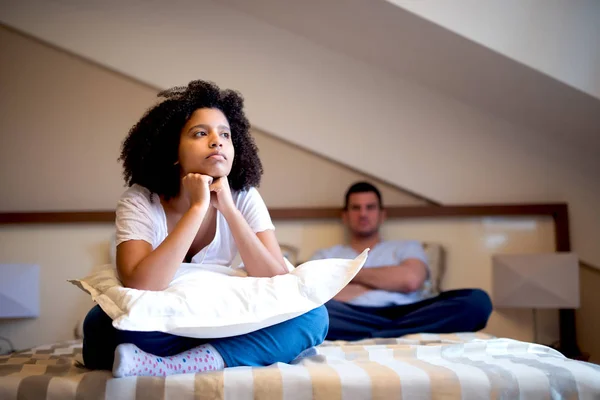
(557, 211)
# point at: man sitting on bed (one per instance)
(385, 299)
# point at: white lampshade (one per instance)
(19, 291)
(549, 280)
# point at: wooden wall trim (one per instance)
(558, 211)
(56, 217)
(555, 210)
(589, 267)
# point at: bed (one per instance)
(424, 366)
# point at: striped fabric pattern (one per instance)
(424, 366)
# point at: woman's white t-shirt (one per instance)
(140, 216)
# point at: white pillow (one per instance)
(211, 301)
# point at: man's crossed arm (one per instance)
(407, 277)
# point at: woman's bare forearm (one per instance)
(156, 270)
(257, 259)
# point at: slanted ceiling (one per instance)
(395, 40)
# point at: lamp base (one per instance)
(567, 344)
(6, 346)
(572, 353)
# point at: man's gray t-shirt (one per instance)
(383, 254)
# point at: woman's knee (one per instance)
(303, 332)
(308, 329)
(96, 323)
(318, 321)
(277, 343)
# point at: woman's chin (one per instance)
(217, 174)
(213, 174)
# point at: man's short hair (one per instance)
(362, 187)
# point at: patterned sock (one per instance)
(131, 361)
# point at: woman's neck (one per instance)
(178, 204)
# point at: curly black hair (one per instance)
(151, 148)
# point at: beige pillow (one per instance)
(437, 265)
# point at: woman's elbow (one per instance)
(272, 271)
(132, 282)
(282, 270)
(148, 287)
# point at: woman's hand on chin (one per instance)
(220, 195)
(197, 189)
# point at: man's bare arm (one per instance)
(407, 277)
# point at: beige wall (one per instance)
(64, 120)
(297, 178)
(62, 124)
(62, 252)
(377, 121)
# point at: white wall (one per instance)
(557, 37)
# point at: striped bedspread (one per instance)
(426, 366)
